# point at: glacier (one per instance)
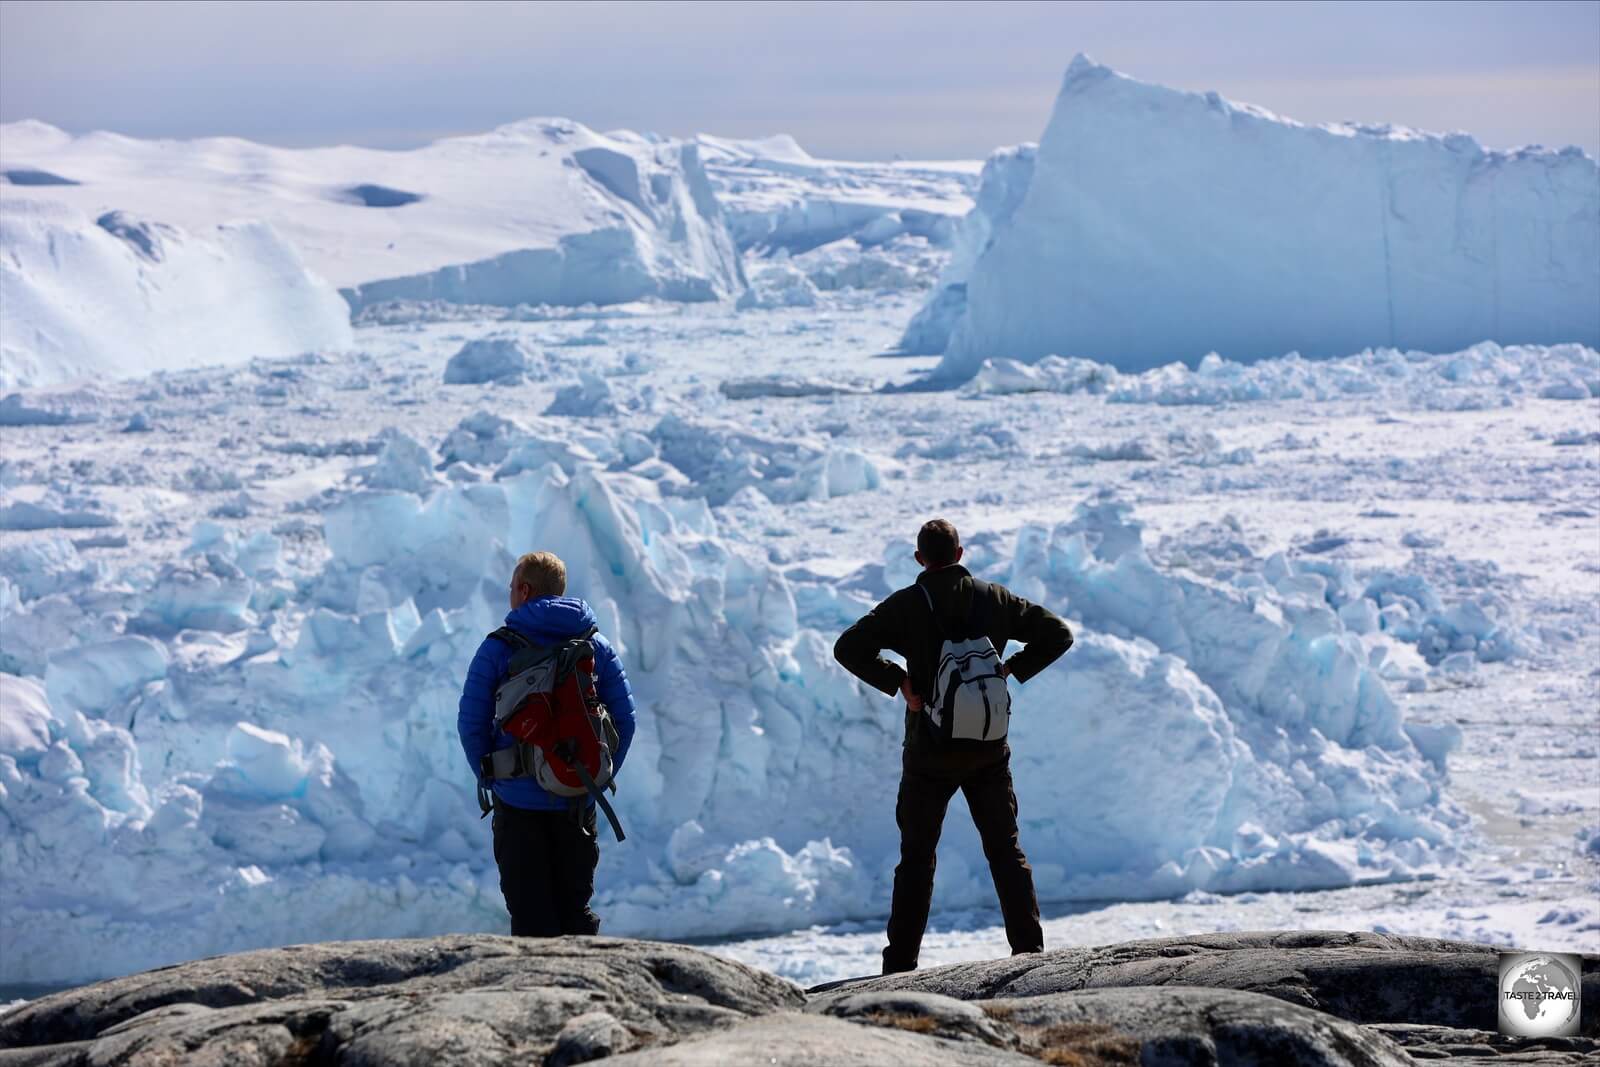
(1159, 225)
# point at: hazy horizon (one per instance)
(863, 81)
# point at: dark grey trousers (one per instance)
(547, 861)
(928, 780)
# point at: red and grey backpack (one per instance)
(566, 740)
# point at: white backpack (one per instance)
(970, 701)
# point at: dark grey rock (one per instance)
(445, 1000)
(1361, 977)
(593, 1035)
(922, 1013)
(1425, 1042)
(67, 1055)
(813, 1040)
(1352, 1000)
(253, 1036)
(1155, 1027)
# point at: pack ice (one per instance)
(250, 745)
(812, 226)
(543, 211)
(1155, 225)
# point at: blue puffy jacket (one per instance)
(548, 619)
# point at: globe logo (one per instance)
(1539, 994)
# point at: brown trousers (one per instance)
(929, 778)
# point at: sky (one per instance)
(866, 80)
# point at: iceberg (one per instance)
(1160, 225)
(1001, 185)
(542, 211)
(777, 196)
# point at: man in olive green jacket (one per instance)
(932, 769)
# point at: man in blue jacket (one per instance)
(545, 845)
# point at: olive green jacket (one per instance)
(903, 624)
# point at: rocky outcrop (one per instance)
(1365, 1000)
(444, 1000)
(1138, 1025)
(1363, 977)
(1423, 997)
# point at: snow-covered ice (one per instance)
(120, 296)
(500, 360)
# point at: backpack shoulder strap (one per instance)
(523, 649)
(506, 635)
(586, 635)
(571, 650)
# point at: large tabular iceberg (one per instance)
(1161, 225)
(1001, 187)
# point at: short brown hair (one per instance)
(938, 542)
(543, 571)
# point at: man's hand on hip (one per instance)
(913, 701)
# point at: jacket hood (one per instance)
(552, 617)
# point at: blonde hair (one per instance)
(544, 572)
